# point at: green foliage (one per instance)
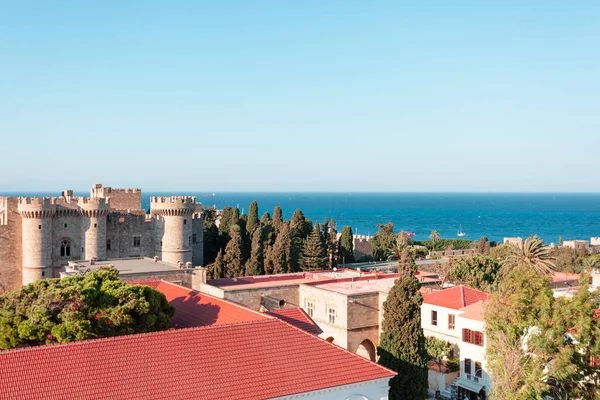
(447, 244)
(77, 308)
(332, 245)
(567, 259)
(314, 254)
(502, 252)
(478, 271)
(266, 219)
(216, 270)
(483, 246)
(282, 250)
(210, 235)
(384, 242)
(453, 364)
(233, 259)
(533, 254)
(434, 237)
(347, 245)
(252, 223)
(255, 265)
(437, 349)
(277, 218)
(402, 344)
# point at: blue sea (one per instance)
(495, 215)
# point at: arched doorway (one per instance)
(366, 350)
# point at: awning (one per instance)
(469, 385)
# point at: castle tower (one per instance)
(174, 227)
(36, 214)
(93, 224)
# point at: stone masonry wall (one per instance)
(10, 244)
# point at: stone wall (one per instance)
(120, 199)
(10, 244)
(271, 297)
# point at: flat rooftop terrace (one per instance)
(125, 266)
(365, 285)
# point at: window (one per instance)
(468, 366)
(95, 225)
(65, 225)
(107, 244)
(137, 240)
(434, 318)
(65, 248)
(194, 238)
(43, 273)
(331, 314)
(39, 227)
(310, 308)
(478, 369)
(473, 337)
(185, 221)
(451, 321)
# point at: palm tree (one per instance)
(401, 241)
(591, 263)
(435, 235)
(533, 253)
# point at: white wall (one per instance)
(473, 352)
(370, 390)
(440, 331)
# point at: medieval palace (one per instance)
(39, 236)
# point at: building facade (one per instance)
(40, 235)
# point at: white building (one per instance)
(456, 316)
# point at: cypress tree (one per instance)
(265, 219)
(216, 269)
(402, 343)
(233, 259)
(277, 218)
(333, 247)
(314, 255)
(347, 245)
(299, 225)
(282, 250)
(210, 235)
(255, 265)
(252, 223)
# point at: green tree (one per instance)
(534, 254)
(314, 255)
(210, 235)
(277, 218)
(282, 249)
(478, 271)
(216, 270)
(402, 343)
(300, 226)
(560, 241)
(266, 219)
(257, 258)
(252, 223)
(80, 307)
(483, 246)
(333, 248)
(567, 259)
(435, 236)
(347, 245)
(233, 259)
(384, 242)
(437, 349)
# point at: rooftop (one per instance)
(474, 311)
(380, 283)
(141, 265)
(456, 297)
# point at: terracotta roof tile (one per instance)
(251, 360)
(297, 317)
(193, 308)
(456, 297)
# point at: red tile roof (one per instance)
(564, 277)
(152, 284)
(297, 317)
(193, 308)
(456, 297)
(251, 360)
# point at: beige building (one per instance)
(346, 304)
(39, 236)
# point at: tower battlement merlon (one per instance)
(39, 201)
(36, 207)
(94, 207)
(173, 200)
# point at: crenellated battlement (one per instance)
(172, 205)
(173, 200)
(39, 201)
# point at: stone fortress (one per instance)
(39, 236)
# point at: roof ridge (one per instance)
(462, 296)
(130, 336)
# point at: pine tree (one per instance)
(255, 265)
(252, 223)
(216, 269)
(233, 259)
(282, 250)
(277, 218)
(402, 343)
(314, 255)
(347, 245)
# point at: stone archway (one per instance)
(366, 349)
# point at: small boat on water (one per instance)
(460, 232)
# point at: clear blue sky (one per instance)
(300, 96)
